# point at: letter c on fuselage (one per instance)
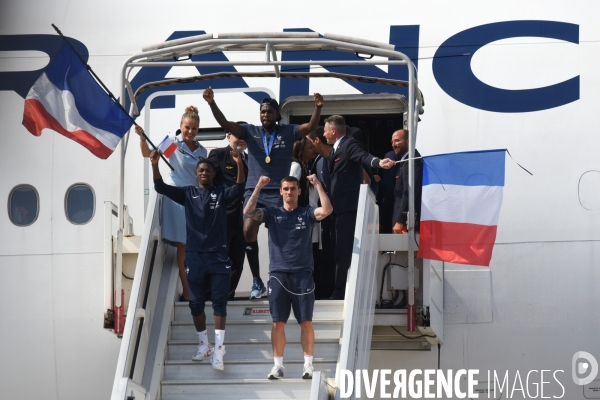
(452, 68)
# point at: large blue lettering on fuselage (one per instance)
(451, 67)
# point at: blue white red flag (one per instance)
(66, 99)
(461, 201)
(167, 146)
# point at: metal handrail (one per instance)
(359, 308)
(134, 346)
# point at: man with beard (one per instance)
(385, 194)
(270, 154)
(400, 146)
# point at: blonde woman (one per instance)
(184, 162)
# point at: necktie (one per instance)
(245, 163)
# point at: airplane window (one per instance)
(79, 204)
(23, 205)
(588, 191)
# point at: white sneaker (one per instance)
(308, 371)
(276, 372)
(204, 352)
(217, 358)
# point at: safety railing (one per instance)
(137, 331)
(111, 213)
(359, 307)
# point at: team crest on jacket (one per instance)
(214, 202)
(300, 224)
(278, 143)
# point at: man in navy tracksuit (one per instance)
(291, 284)
(206, 257)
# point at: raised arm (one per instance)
(250, 210)
(310, 126)
(237, 190)
(175, 193)
(229, 126)
(326, 207)
(143, 142)
(237, 157)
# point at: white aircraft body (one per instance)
(517, 75)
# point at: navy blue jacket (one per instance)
(205, 213)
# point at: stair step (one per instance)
(258, 309)
(256, 369)
(253, 350)
(236, 389)
(256, 330)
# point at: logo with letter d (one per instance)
(581, 364)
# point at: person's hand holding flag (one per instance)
(154, 157)
(144, 140)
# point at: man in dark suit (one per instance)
(400, 146)
(385, 195)
(226, 174)
(346, 161)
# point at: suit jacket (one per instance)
(401, 192)
(320, 167)
(345, 168)
(226, 175)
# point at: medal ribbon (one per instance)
(264, 138)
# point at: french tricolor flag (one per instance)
(461, 201)
(66, 99)
(167, 146)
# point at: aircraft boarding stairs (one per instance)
(159, 338)
(248, 357)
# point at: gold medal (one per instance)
(268, 159)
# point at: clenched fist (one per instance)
(263, 181)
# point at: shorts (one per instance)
(266, 198)
(291, 290)
(208, 271)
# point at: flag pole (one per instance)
(108, 92)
